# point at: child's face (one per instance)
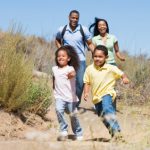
(99, 58)
(63, 58)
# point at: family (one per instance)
(71, 77)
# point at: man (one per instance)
(73, 36)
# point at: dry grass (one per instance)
(18, 60)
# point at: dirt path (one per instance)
(135, 123)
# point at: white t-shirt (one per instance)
(65, 88)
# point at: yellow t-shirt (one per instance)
(102, 80)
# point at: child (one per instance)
(64, 73)
(101, 77)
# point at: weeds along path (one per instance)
(134, 120)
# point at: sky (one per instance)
(128, 20)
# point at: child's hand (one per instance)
(71, 74)
(125, 80)
(86, 96)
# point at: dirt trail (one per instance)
(134, 121)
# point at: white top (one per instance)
(65, 88)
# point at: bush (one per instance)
(137, 69)
(15, 73)
(39, 97)
(17, 90)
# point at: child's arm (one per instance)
(86, 91)
(125, 79)
(53, 82)
(71, 74)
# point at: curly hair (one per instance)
(95, 26)
(74, 59)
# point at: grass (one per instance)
(18, 91)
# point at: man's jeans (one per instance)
(106, 110)
(69, 108)
(79, 80)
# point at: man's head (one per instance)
(73, 19)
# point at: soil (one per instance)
(38, 134)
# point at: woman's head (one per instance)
(66, 55)
(100, 26)
(100, 55)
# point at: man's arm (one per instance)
(90, 45)
(58, 43)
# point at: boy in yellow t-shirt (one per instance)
(101, 77)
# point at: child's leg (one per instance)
(76, 128)
(109, 115)
(60, 108)
(99, 111)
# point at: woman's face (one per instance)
(102, 27)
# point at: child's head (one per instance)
(100, 55)
(66, 55)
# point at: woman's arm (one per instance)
(116, 47)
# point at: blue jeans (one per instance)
(69, 107)
(106, 110)
(115, 101)
(79, 80)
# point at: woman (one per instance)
(102, 37)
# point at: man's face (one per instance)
(73, 19)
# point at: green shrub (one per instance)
(17, 90)
(15, 73)
(39, 97)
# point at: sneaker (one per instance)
(79, 138)
(117, 137)
(63, 136)
(76, 110)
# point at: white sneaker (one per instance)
(63, 136)
(79, 138)
(64, 133)
(76, 110)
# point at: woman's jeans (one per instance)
(106, 110)
(79, 80)
(69, 108)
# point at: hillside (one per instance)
(24, 98)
